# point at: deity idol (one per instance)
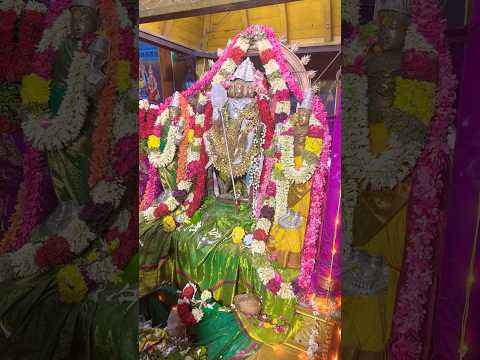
(258, 178)
(375, 245)
(47, 277)
(233, 142)
(288, 235)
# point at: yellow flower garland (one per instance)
(238, 234)
(415, 97)
(35, 89)
(153, 142)
(71, 286)
(169, 224)
(313, 145)
(123, 75)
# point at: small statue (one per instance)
(288, 235)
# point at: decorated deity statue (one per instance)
(390, 79)
(233, 142)
(288, 235)
(78, 124)
(242, 165)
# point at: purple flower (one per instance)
(267, 212)
(274, 285)
(180, 195)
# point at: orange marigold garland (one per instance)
(102, 135)
(182, 153)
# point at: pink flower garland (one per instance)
(317, 203)
(152, 185)
(428, 185)
(267, 171)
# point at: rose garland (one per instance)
(427, 188)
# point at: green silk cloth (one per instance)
(222, 334)
(204, 253)
(44, 328)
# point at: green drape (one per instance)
(205, 254)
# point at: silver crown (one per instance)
(92, 4)
(401, 6)
(245, 71)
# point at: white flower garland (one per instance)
(78, 235)
(162, 159)
(122, 14)
(281, 199)
(57, 33)
(286, 291)
(265, 274)
(197, 314)
(415, 40)
(36, 6)
(49, 133)
(108, 192)
(16, 5)
(228, 67)
(361, 168)
(148, 215)
(22, 261)
(125, 122)
(102, 271)
(297, 176)
(258, 247)
(351, 11)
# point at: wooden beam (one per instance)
(245, 21)
(166, 72)
(158, 12)
(160, 41)
(282, 8)
(207, 19)
(163, 42)
(167, 30)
